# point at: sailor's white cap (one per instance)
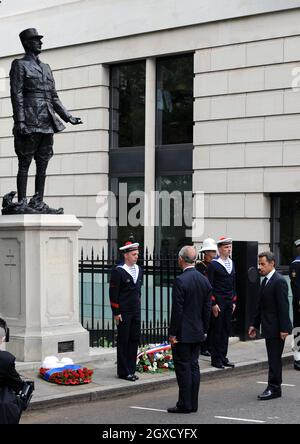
(297, 243)
(224, 240)
(129, 246)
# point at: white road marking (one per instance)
(285, 385)
(147, 408)
(239, 419)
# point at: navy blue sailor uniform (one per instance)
(125, 299)
(222, 281)
(294, 273)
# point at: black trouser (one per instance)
(274, 349)
(296, 312)
(40, 147)
(127, 343)
(220, 331)
(205, 345)
(187, 371)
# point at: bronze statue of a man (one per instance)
(35, 103)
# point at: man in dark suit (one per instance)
(10, 383)
(125, 300)
(272, 314)
(191, 306)
(35, 102)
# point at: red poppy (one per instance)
(69, 377)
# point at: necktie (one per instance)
(264, 282)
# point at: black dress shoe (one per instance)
(217, 364)
(136, 377)
(297, 365)
(228, 364)
(131, 378)
(205, 353)
(177, 410)
(269, 394)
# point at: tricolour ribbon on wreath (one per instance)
(51, 371)
(155, 349)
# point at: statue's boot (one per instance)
(41, 207)
(21, 207)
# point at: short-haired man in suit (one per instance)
(191, 305)
(272, 313)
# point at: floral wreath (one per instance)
(155, 358)
(64, 372)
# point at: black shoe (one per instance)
(269, 394)
(217, 364)
(228, 364)
(131, 378)
(205, 353)
(177, 410)
(136, 377)
(297, 365)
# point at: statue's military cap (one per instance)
(28, 34)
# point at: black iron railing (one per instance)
(95, 311)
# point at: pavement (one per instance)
(249, 357)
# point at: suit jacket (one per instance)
(191, 307)
(34, 97)
(8, 375)
(272, 311)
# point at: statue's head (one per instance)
(31, 40)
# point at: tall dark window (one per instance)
(174, 149)
(127, 152)
(174, 100)
(174, 144)
(129, 210)
(175, 211)
(285, 226)
(128, 105)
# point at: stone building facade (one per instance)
(244, 148)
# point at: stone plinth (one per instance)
(39, 286)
